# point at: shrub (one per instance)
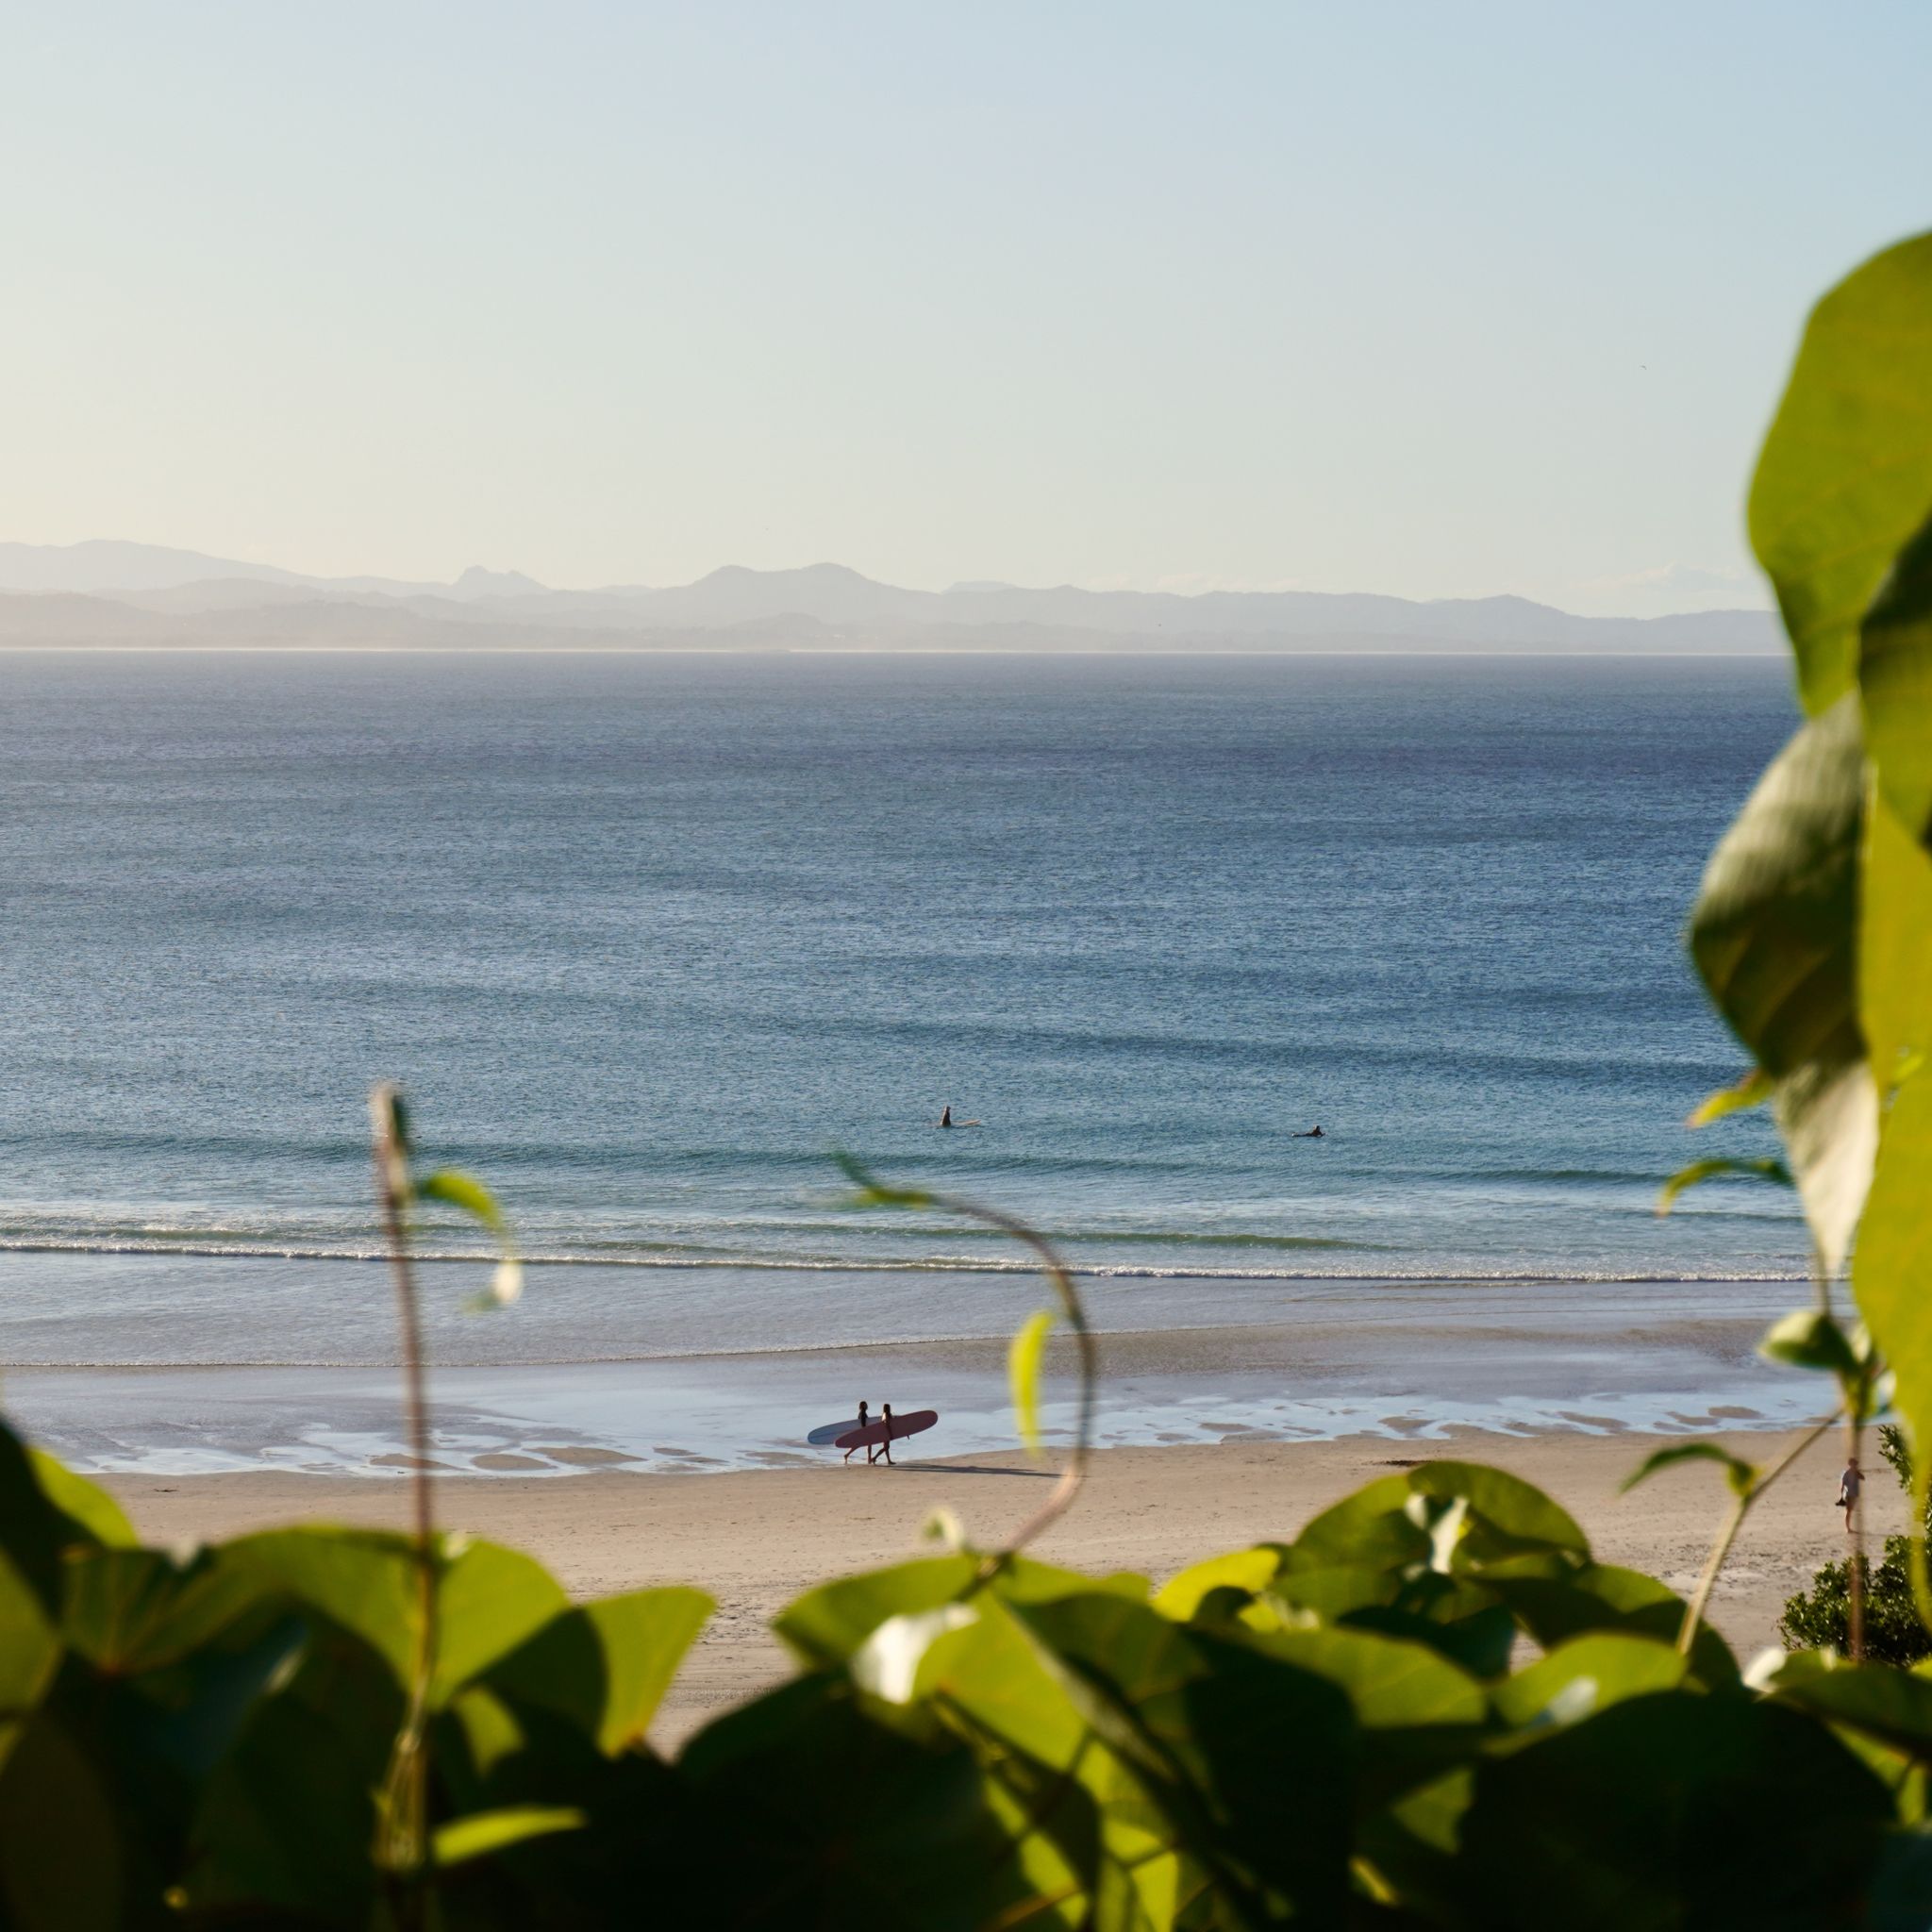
(1820, 1617)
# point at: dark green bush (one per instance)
(1820, 1617)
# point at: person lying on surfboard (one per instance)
(861, 1425)
(1314, 1133)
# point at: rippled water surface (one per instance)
(649, 938)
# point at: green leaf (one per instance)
(827, 1625)
(1810, 1339)
(1894, 945)
(873, 1192)
(1845, 476)
(1466, 1625)
(1750, 1090)
(1204, 1722)
(1443, 1514)
(490, 1599)
(1895, 686)
(605, 1666)
(1673, 1809)
(1774, 935)
(1894, 1262)
(1740, 1475)
(1701, 1171)
(1391, 1681)
(1250, 1570)
(1892, 1706)
(462, 1191)
(1082, 1820)
(809, 1813)
(1900, 1899)
(1554, 1602)
(1023, 1375)
(93, 1513)
(287, 1817)
(33, 1531)
(129, 1612)
(62, 1855)
(1585, 1676)
(484, 1832)
(30, 1650)
(888, 1661)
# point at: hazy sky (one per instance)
(1442, 299)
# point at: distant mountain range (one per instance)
(114, 593)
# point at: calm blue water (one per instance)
(647, 937)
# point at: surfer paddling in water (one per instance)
(946, 1119)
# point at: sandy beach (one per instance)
(755, 1538)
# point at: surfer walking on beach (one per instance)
(886, 1447)
(1849, 1484)
(861, 1425)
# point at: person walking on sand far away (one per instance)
(1849, 1485)
(886, 1447)
(861, 1425)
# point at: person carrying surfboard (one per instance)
(886, 1446)
(861, 1425)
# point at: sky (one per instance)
(1438, 300)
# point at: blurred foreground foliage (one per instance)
(1327, 1732)
(1433, 1707)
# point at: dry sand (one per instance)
(755, 1539)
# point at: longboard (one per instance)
(878, 1432)
(830, 1432)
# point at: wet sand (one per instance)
(755, 1538)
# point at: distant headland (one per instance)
(117, 595)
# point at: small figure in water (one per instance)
(1849, 1485)
(861, 1425)
(1314, 1133)
(946, 1119)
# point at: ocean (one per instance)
(650, 939)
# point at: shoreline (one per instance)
(756, 1538)
(1414, 1366)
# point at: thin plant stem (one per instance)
(1855, 1522)
(1734, 1522)
(1693, 1611)
(1062, 1282)
(408, 1843)
(1855, 1435)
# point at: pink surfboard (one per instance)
(878, 1432)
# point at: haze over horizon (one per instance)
(107, 566)
(1371, 301)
